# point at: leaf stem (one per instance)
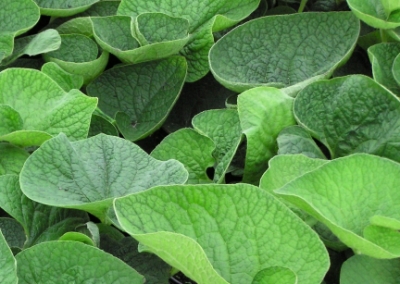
(302, 6)
(383, 35)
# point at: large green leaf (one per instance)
(41, 108)
(263, 113)
(140, 96)
(349, 195)
(204, 17)
(78, 54)
(230, 231)
(351, 114)
(150, 36)
(190, 148)
(8, 264)
(12, 159)
(40, 222)
(89, 174)
(367, 270)
(382, 56)
(380, 14)
(63, 8)
(72, 262)
(16, 17)
(285, 51)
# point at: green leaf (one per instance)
(396, 69)
(73, 262)
(222, 126)
(377, 13)
(13, 232)
(92, 231)
(12, 159)
(263, 113)
(382, 56)
(212, 226)
(150, 36)
(154, 269)
(204, 18)
(90, 173)
(43, 42)
(285, 51)
(17, 17)
(345, 194)
(351, 114)
(78, 54)
(63, 8)
(296, 140)
(40, 222)
(77, 237)
(364, 269)
(101, 125)
(65, 80)
(27, 91)
(276, 275)
(190, 148)
(8, 264)
(81, 25)
(140, 96)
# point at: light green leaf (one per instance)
(190, 148)
(40, 222)
(276, 275)
(367, 270)
(222, 126)
(263, 113)
(63, 8)
(12, 159)
(382, 56)
(81, 25)
(154, 269)
(285, 51)
(77, 237)
(8, 264)
(13, 232)
(204, 18)
(17, 17)
(44, 108)
(213, 226)
(296, 140)
(43, 42)
(351, 114)
(65, 80)
(140, 96)
(396, 69)
(89, 174)
(377, 13)
(345, 193)
(72, 262)
(90, 230)
(148, 37)
(78, 54)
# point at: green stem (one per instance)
(302, 6)
(383, 36)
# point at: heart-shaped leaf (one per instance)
(285, 51)
(89, 174)
(219, 225)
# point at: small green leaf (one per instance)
(190, 148)
(345, 194)
(263, 113)
(140, 96)
(99, 125)
(77, 237)
(285, 51)
(382, 56)
(222, 126)
(8, 264)
(17, 17)
(63, 8)
(351, 114)
(65, 80)
(296, 140)
(377, 13)
(12, 159)
(213, 226)
(276, 275)
(90, 173)
(367, 270)
(72, 262)
(44, 107)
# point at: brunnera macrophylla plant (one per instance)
(199, 141)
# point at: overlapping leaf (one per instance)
(63, 8)
(8, 271)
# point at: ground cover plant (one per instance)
(251, 141)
